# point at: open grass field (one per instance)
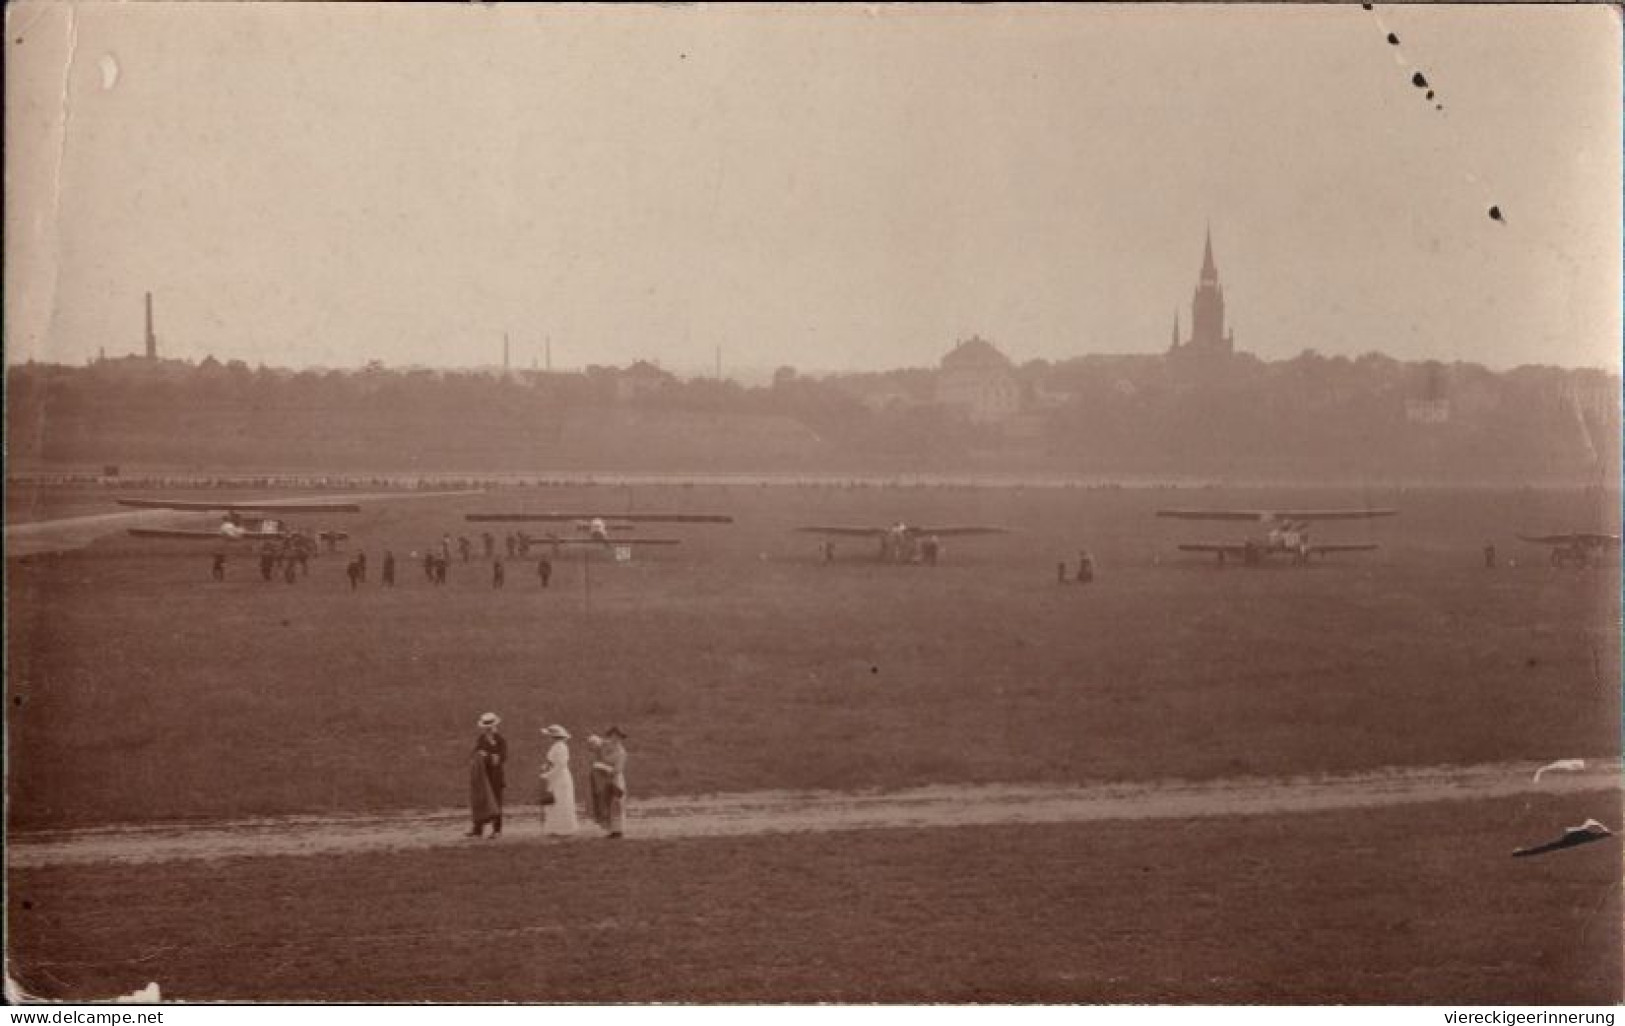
(141, 692)
(1412, 905)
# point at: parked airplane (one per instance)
(248, 520)
(902, 542)
(599, 528)
(1287, 532)
(1581, 548)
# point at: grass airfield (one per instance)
(142, 692)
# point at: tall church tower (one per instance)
(1208, 335)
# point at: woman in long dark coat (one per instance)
(487, 776)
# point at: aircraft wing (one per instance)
(605, 543)
(1275, 514)
(1333, 514)
(1317, 548)
(1212, 514)
(949, 531)
(1570, 539)
(223, 506)
(847, 532)
(215, 536)
(661, 518)
(1227, 549)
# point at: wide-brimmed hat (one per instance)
(615, 732)
(490, 720)
(556, 731)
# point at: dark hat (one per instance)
(615, 732)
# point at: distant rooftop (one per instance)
(975, 353)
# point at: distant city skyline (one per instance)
(835, 190)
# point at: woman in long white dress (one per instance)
(559, 818)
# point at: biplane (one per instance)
(604, 530)
(245, 521)
(1579, 548)
(902, 542)
(1286, 533)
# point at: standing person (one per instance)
(1086, 567)
(487, 776)
(489, 543)
(558, 817)
(389, 568)
(464, 547)
(219, 570)
(613, 756)
(445, 547)
(598, 783)
(511, 544)
(361, 564)
(353, 571)
(1489, 556)
(544, 570)
(267, 561)
(428, 565)
(290, 570)
(498, 574)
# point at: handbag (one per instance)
(547, 796)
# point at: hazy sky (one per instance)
(849, 188)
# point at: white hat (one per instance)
(557, 731)
(490, 720)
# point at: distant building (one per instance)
(1432, 405)
(888, 399)
(979, 380)
(1210, 342)
(641, 379)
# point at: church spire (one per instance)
(1210, 272)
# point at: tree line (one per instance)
(1309, 417)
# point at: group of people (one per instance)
(606, 781)
(290, 556)
(293, 562)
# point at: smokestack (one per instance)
(152, 340)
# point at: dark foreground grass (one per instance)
(137, 690)
(1418, 904)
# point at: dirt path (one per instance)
(767, 812)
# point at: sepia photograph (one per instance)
(871, 504)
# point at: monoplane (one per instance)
(1286, 532)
